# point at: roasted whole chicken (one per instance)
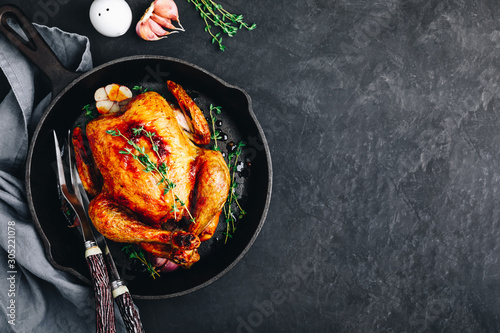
(152, 184)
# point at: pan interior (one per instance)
(64, 245)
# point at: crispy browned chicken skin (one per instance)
(132, 206)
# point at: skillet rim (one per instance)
(74, 81)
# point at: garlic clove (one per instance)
(115, 107)
(100, 95)
(157, 29)
(124, 93)
(150, 30)
(164, 22)
(144, 31)
(166, 9)
(104, 107)
(112, 91)
(156, 19)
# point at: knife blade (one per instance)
(119, 290)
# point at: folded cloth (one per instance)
(34, 296)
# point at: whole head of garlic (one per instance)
(111, 97)
(156, 23)
(111, 18)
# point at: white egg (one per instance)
(112, 18)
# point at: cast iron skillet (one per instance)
(71, 91)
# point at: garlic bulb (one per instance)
(110, 98)
(157, 18)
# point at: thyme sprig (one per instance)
(89, 112)
(160, 172)
(140, 89)
(214, 14)
(133, 253)
(216, 134)
(229, 213)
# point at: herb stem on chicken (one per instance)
(233, 197)
(216, 134)
(133, 253)
(147, 169)
(150, 166)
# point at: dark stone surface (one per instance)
(382, 118)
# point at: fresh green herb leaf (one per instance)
(214, 14)
(134, 253)
(160, 171)
(137, 131)
(232, 202)
(113, 132)
(140, 89)
(89, 112)
(215, 134)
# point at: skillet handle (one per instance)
(35, 48)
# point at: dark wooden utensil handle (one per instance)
(125, 303)
(105, 314)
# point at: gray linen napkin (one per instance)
(34, 296)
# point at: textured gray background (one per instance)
(382, 119)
